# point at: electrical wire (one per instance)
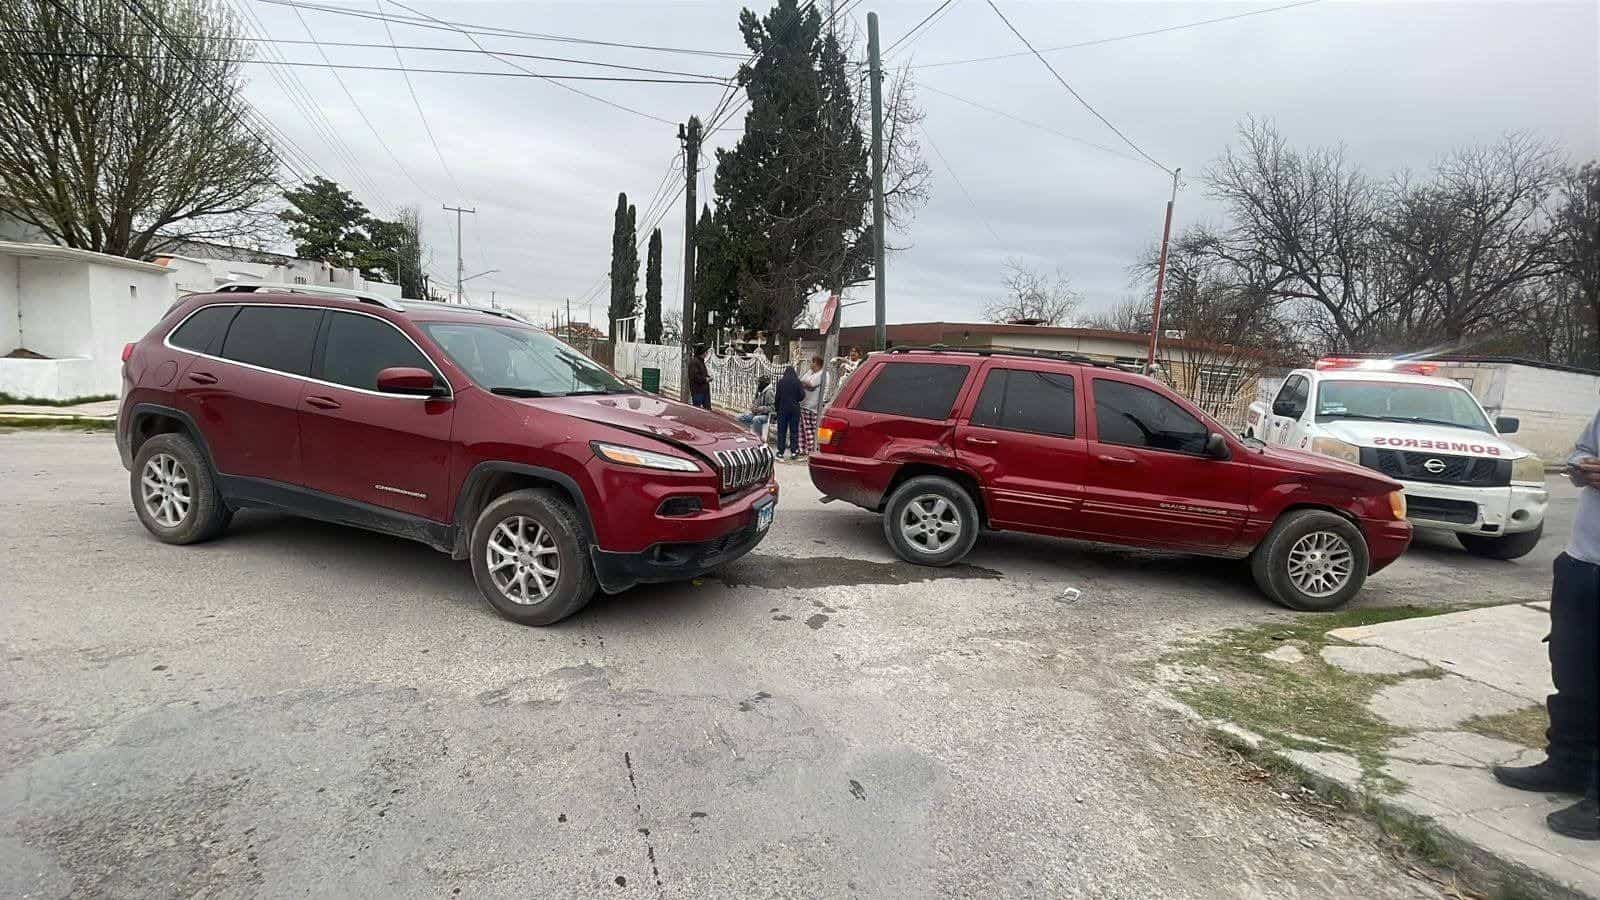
(915, 28)
(1031, 124)
(1075, 95)
(1120, 37)
(957, 178)
(417, 104)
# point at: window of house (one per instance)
(273, 337)
(1133, 416)
(915, 390)
(202, 331)
(1022, 400)
(359, 347)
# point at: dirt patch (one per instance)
(757, 570)
(1524, 726)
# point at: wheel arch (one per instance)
(489, 480)
(146, 420)
(911, 470)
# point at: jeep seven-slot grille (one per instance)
(743, 467)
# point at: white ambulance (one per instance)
(1428, 433)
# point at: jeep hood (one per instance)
(1424, 438)
(668, 420)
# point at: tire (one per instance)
(1510, 546)
(935, 520)
(1270, 563)
(174, 492)
(549, 528)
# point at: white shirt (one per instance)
(813, 401)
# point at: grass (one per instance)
(1308, 705)
(1524, 726)
(35, 401)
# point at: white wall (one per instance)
(1554, 407)
(10, 322)
(124, 304)
(53, 379)
(55, 306)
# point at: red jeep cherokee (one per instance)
(465, 429)
(944, 443)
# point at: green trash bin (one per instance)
(650, 380)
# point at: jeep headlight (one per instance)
(645, 459)
(1529, 468)
(1337, 449)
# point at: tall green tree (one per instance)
(652, 290)
(794, 193)
(129, 135)
(327, 223)
(393, 253)
(716, 279)
(624, 265)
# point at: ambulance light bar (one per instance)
(1377, 365)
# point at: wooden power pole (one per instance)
(1161, 280)
(879, 333)
(690, 135)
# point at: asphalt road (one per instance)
(304, 710)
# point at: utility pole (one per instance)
(879, 337)
(690, 135)
(1161, 279)
(569, 318)
(461, 297)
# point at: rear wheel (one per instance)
(1509, 546)
(174, 493)
(530, 558)
(931, 521)
(1311, 560)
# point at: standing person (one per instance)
(790, 393)
(699, 379)
(816, 384)
(1572, 754)
(761, 407)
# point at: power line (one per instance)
(417, 104)
(1120, 37)
(925, 20)
(1075, 95)
(1031, 124)
(423, 20)
(957, 179)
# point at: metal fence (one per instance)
(733, 377)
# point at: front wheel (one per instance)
(174, 493)
(1312, 560)
(530, 558)
(931, 521)
(1509, 546)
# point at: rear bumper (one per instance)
(1480, 510)
(678, 561)
(1386, 540)
(851, 479)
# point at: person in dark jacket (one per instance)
(699, 379)
(790, 395)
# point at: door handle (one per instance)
(323, 402)
(984, 441)
(202, 378)
(1115, 460)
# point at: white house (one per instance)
(65, 315)
(1553, 402)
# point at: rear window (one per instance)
(914, 390)
(273, 337)
(202, 331)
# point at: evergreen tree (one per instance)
(652, 290)
(624, 265)
(794, 195)
(327, 223)
(716, 279)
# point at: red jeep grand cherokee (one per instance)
(944, 443)
(462, 428)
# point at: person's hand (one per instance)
(1586, 472)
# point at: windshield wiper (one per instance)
(1419, 420)
(517, 392)
(1334, 415)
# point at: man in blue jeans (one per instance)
(1572, 763)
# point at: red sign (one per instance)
(829, 310)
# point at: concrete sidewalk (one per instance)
(98, 412)
(1493, 663)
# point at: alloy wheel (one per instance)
(166, 490)
(1321, 563)
(930, 523)
(524, 563)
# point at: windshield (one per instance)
(521, 362)
(1389, 401)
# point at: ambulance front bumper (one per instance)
(1476, 510)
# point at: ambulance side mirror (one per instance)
(1507, 424)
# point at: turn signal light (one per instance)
(1397, 504)
(830, 432)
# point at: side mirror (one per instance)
(1217, 446)
(1286, 409)
(411, 381)
(1507, 424)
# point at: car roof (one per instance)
(1056, 356)
(356, 301)
(1384, 375)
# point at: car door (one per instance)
(1147, 478)
(1287, 409)
(245, 393)
(1021, 437)
(358, 443)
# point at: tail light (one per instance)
(127, 351)
(831, 431)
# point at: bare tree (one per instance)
(122, 132)
(1577, 224)
(1130, 314)
(1033, 297)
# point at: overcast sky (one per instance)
(1399, 84)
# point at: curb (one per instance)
(49, 420)
(1491, 872)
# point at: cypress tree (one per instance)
(652, 290)
(624, 265)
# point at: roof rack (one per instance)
(1062, 355)
(246, 287)
(486, 310)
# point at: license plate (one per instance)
(764, 516)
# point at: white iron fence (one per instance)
(733, 378)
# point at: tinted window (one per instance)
(273, 337)
(202, 331)
(1040, 402)
(513, 360)
(916, 390)
(359, 347)
(1138, 417)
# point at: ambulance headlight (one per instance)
(1528, 469)
(1337, 449)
